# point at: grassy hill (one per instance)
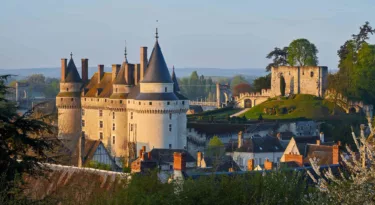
(296, 106)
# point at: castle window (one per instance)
(105, 100)
(303, 72)
(170, 116)
(116, 90)
(67, 89)
(312, 74)
(113, 126)
(101, 135)
(83, 112)
(83, 123)
(131, 127)
(183, 102)
(100, 113)
(131, 115)
(101, 124)
(71, 99)
(111, 101)
(113, 115)
(150, 103)
(139, 103)
(170, 127)
(113, 140)
(120, 101)
(97, 99)
(168, 103)
(128, 101)
(61, 99)
(165, 89)
(170, 146)
(85, 99)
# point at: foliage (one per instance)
(215, 142)
(282, 85)
(263, 82)
(22, 139)
(241, 88)
(279, 58)
(356, 67)
(355, 183)
(236, 80)
(302, 53)
(98, 165)
(198, 87)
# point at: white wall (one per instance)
(241, 158)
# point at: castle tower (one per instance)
(156, 106)
(68, 102)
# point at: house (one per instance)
(159, 158)
(217, 164)
(326, 153)
(260, 150)
(95, 151)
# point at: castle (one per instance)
(298, 80)
(134, 106)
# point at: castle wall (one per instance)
(156, 87)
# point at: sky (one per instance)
(193, 33)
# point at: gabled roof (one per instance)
(71, 75)
(176, 88)
(166, 155)
(105, 85)
(157, 70)
(261, 144)
(120, 78)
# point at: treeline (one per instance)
(198, 87)
(38, 84)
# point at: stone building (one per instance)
(298, 80)
(136, 105)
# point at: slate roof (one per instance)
(156, 96)
(166, 155)
(157, 70)
(216, 128)
(120, 78)
(322, 152)
(71, 75)
(262, 144)
(196, 108)
(176, 88)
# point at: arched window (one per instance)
(311, 74)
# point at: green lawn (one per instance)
(297, 106)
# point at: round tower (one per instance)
(68, 102)
(156, 107)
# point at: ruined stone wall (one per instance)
(300, 80)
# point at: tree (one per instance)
(279, 58)
(263, 82)
(215, 141)
(238, 79)
(241, 88)
(22, 140)
(282, 85)
(302, 53)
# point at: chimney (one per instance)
(268, 165)
(129, 74)
(140, 153)
(339, 143)
(318, 142)
(335, 154)
(144, 148)
(240, 139)
(294, 158)
(250, 165)
(85, 69)
(136, 73)
(100, 72)
(149, 155)
(321, 135)
(115, 70)
(179, 162)
(143, 62)
(199, 159)
(63, 69)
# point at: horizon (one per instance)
(206, 34)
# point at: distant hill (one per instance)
(181, 72)
(298, 106)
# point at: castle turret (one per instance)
(68, 102)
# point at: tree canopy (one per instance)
(301, 52)
(215, 142)
(241, 88)
(279, 57)
(263, 82)
(238, 79)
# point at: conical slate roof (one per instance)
(176, 88)
(120, 78)
(71, 75)
(157, 70)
